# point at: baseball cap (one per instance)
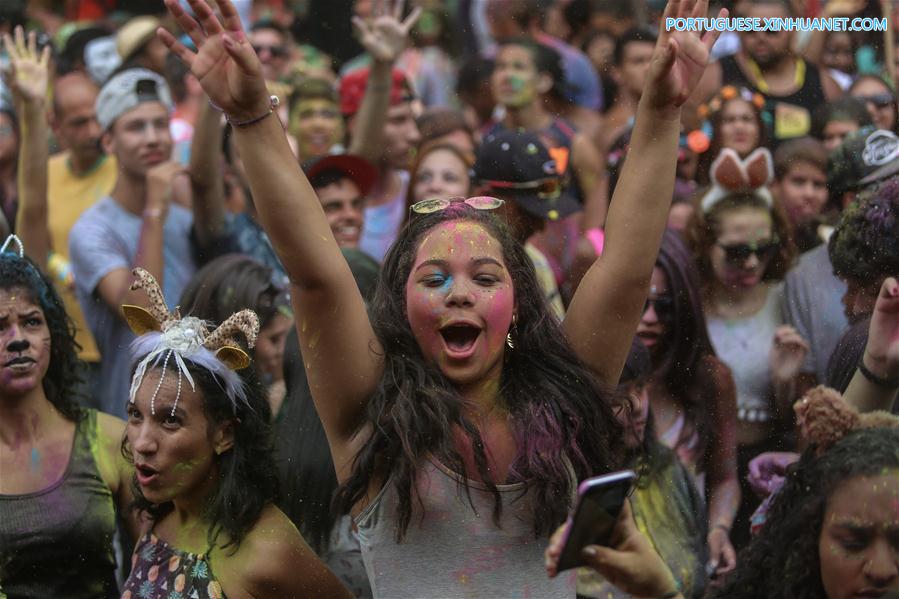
(359, 170)
(134, 35)
(517, 163)
(352, 90)
(126, 90)
(862, 158)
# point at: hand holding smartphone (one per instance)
(599, 504)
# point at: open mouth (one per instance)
(145, 474)
(460, 338)
(20, 361)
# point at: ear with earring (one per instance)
(509, 340)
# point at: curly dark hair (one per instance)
(63, 379)
(864, 246)
(248, 481)
(559, 412)
(703, 229)
(782, 561)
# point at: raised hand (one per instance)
(787, 354)
(882, 351)
(680, 57)
(386, 37)
(225, 64)
(30, 72)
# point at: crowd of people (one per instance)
(290, 313)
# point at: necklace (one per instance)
(762, 85)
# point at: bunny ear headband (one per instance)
(729, 174)
(163, 336)
(823, 418)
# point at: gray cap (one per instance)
(126, 90)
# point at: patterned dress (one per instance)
(159, 571)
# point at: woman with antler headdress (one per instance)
(62, 473)
(741, 241)
(199, 438)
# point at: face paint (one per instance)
(859, 543)
(514, 78)
(24, 344)
(460, 301)
(174, 456)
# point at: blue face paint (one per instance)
(35, 459)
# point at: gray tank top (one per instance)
(58, 542)
(453, 551)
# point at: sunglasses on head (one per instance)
(663, 306)
(438, 204)
(739, 253)
(879, 100)
(547, 189)
(275, 51)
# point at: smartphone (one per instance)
(599, 503)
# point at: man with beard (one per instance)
(766, 63)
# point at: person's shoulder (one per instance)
(99, 214)
(269, 554)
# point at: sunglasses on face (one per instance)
(547, 189)
(663, 305)
(879, 100)
(275, 51)
(739, 253)
(438, 204)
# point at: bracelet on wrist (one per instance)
(152, 213)
(723, 527)
(274, 102)
(886, 383)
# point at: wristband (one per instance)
(152, 213)
(885, 383)
(597, 238)
(723, 527)
(274, 102)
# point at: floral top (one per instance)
(159, 571)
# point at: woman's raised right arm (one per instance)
(340, 350)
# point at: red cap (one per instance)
(352, 90)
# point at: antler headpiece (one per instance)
(163, 336)
(730, 175)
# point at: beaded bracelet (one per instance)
(892, 383)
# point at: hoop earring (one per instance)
(509, 340)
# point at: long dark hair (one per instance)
(247, 478)
(63, 379)
(783, 562)
(687, 365)
(559, 413)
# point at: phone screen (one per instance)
(599, 503)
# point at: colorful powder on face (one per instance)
(35, 459)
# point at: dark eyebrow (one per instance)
(32, 313)
(166, 410)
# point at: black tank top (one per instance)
(58, 542)
(786, 116)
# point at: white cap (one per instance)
(126, 90)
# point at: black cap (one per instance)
(865, 156)
(517, 164)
